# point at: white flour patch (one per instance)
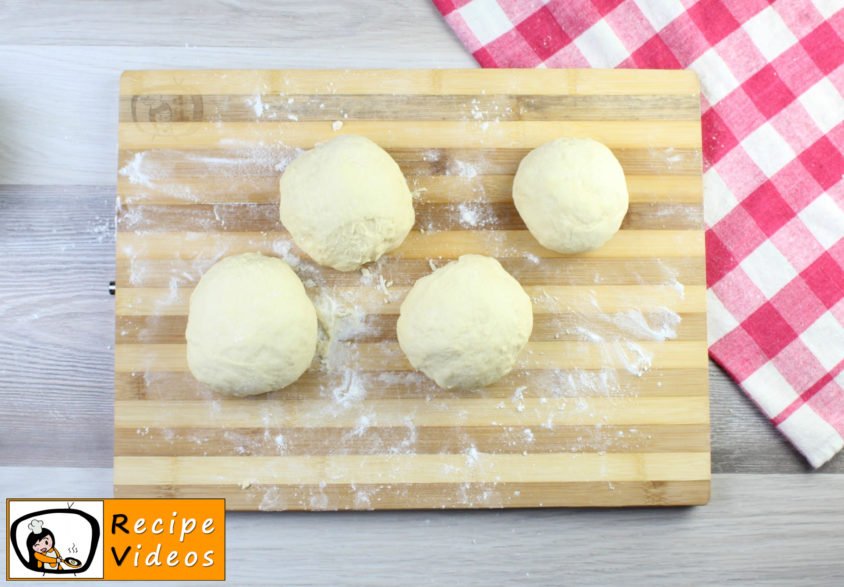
(305, 268)
(101, 228)
(408, 444)
(428, 226)
(339, 324)
(670, 155)
(468, 215)
(362, 425)
(144, 170)
(617, 334)
(531, 258)
(472, 456)
(659, 324)
(162, 305)
(416, 190)
(669, 278)
(346, 386)
(673, 157)
(633, 357)
(272, 499)
(257, 105)
(237, 167)
(284, 249)
(461, 168)
(476, 215)
(280, 443)
(475, 110)
(518, 399)
(134, 170)
(384, 287)
(431, 155)
(363, 500)
(350, 392)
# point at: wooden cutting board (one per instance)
(608, 405)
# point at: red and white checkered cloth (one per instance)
(773, 130)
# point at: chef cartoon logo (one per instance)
(50, 539)
(116, 539)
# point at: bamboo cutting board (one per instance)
(608, 405)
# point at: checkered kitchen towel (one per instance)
(772, 80)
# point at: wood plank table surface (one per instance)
(771, 521)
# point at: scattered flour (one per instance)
(257, 104)
(461, 168)
(431, 155)
(407, 444)
(617, 334)
(531, 258)
(673, 157)
(346, 389)
(363, 499)
(238, 164)
(472, 456)
(518, 399)
(362, 425)
(476, 215)
(384, 287)
(280, 443)
(475, 110)
(272, 499)
(305, 268)
(101, 228)
(657, 325)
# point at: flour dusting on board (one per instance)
(355, 314)
(476, 215)
(257, 104)
(462, 168)
(240, 167)
(617, 335)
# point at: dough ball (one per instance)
(346, 202)
(464, 324)
(571, 193)
(251, 327)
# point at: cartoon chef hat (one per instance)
(36, 526)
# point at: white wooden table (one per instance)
(770, 520)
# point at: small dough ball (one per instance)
(464, 324)
(571, 193)
(251, 327)
(346, 202)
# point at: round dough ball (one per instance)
(251, 327)
(464, 324)
(346, 202)
(571, 193)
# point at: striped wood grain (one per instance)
(570, 426)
